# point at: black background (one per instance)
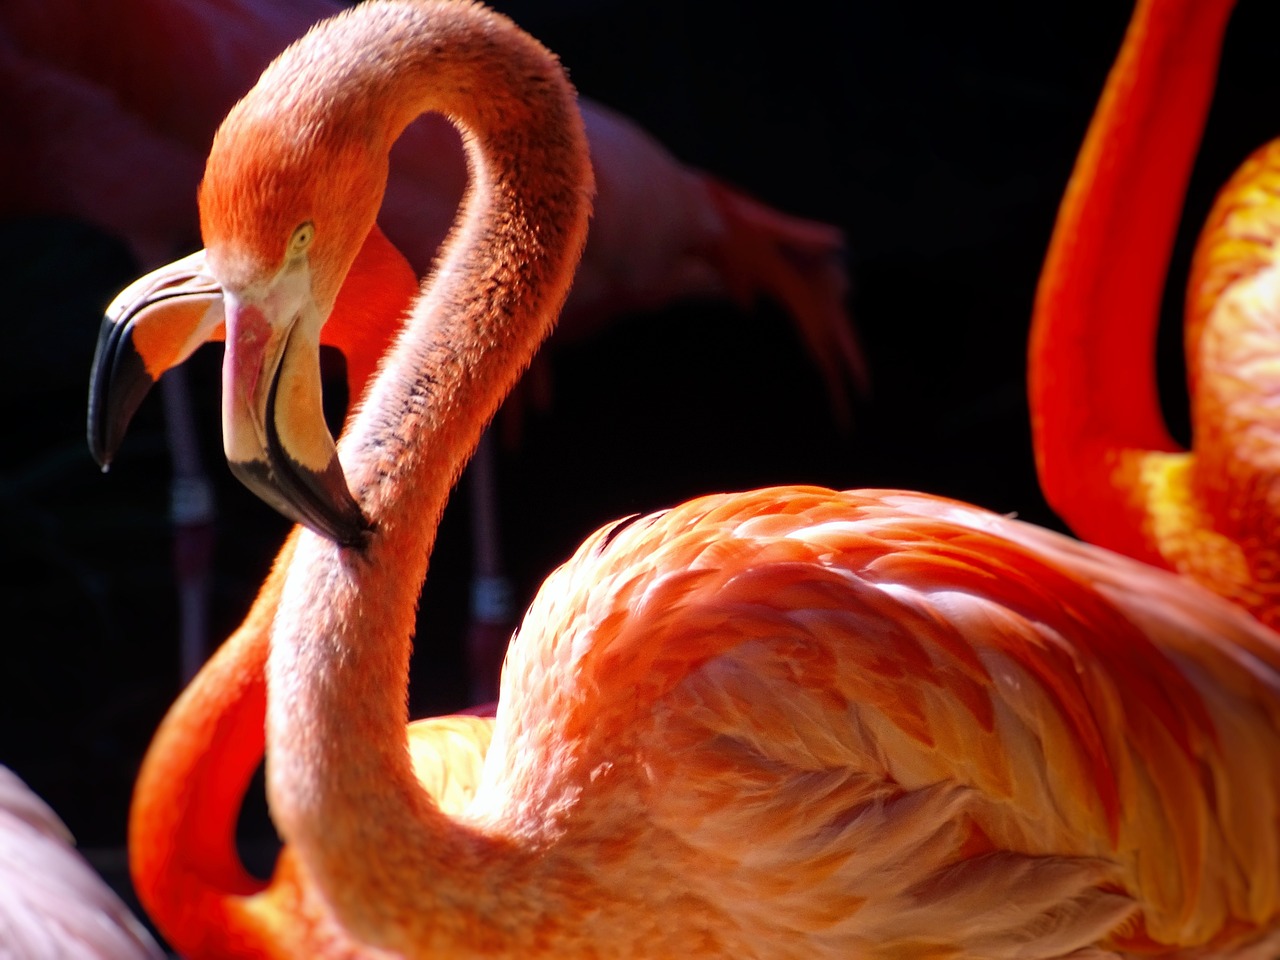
(938, 136)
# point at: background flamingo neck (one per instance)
(369, 309)
(186, 803)
(1093, 394)
(340, 784)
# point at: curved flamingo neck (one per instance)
(340, 783)
(1094, 402)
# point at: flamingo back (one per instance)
(862, 718)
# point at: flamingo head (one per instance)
(288, 197)
(288, 203)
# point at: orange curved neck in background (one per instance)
(187, 798)
(1094, 401)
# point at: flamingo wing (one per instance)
(872, 715)
(52, 902)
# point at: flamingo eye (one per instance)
(301, 238)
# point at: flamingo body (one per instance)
(843, 719)
(795, 722)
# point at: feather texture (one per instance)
(53, 904)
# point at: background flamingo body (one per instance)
(1106, 460)
(664, 231)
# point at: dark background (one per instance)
(938, 136)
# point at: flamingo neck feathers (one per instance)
(340, 781)
(1093, 392)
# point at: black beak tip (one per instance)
(345, 526)
(342, 521)
(118, 383)
(318, 501)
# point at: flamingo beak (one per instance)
(153, 324)
(273, 429)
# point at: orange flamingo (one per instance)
(182, 827)
(791, 722)
(52, 902)
(1107, 463)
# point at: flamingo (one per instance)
(183, 861)
(138, 96)
(1106, 460)
(781, 723)
(52, 902)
